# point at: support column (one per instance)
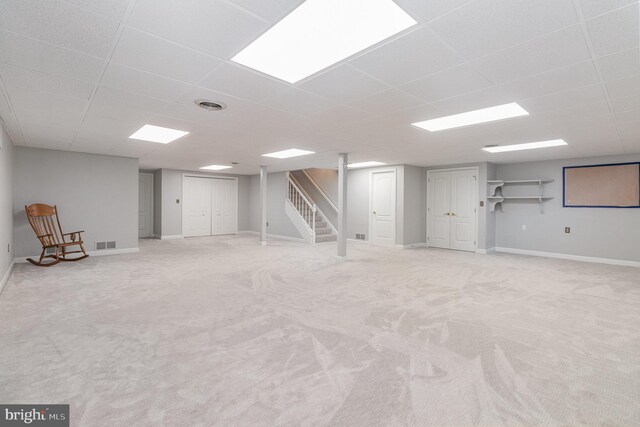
(342, 204)
(263, 205)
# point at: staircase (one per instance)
(305, 214)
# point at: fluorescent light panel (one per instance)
(216, 167)
(285, 154)
(158, 134)
(365, 164)
(491, 114)
(320, 33)
(527, 146)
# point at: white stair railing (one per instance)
(305, 208)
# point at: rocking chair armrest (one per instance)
(73, 232)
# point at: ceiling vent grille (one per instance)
(210, 105)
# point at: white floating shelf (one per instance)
(495, 197)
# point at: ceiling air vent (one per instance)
(210, 105)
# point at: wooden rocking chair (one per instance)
(49, 232)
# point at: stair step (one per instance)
(323, 231)
(326, 238)
(321, 224)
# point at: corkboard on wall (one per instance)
(602, 186)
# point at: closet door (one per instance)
(463, 210)
(196, 209)
(224, 206)
(439, 203)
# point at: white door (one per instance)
(439, 192)
(451, 209)
(145, 205)
(382, 201)
(463, 210)
(196, 209)
(224, 195)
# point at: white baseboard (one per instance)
(485, 251)
(22, 260)
(274, 236)
(169, 237)
(570, 257)
(6, 276)
(412, 245)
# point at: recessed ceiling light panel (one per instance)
(491, 114)
(158, 134)
(527, 146)
(320, 33)
(285, 154)
(365, 165)
(216, 167)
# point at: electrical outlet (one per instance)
(567, 230)
(177, 200)
(481, 203)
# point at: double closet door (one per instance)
(210, 206)
(451, 209)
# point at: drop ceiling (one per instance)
(83, 75)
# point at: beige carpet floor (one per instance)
(221, 331)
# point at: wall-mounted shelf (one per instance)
(495, 197)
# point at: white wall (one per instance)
(415, 205)
(170, 187)
(279, 223)
(327, 179)
(95, 193)
(612, 233)
(7, 152)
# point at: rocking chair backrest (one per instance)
(45, 223)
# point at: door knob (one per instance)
(374, 212)
(447, 214)
(453, 214)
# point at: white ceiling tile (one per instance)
(629, 130)
(242, 82)
(59, 23)
(192, 113)
(485, 26)
(210, 26)
(296, 101)
(562, 100)
(387, 102)
(35, 134)
(591, 8)
(272, 10)
(414, 55)
(626, 116)
(145, 52)
(132, 80)
(343, 84)
(35, 55)
(557, 80)
(427, 10)
(46, 109)
(555, 50)
(620, 65)
(627, 104)
(113, 9)
(484, 98)
(119, 105)
(631, 145)
(448, 83)
(621, 88)
(615, 31)
(14, 76)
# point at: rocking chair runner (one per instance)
(49, 232)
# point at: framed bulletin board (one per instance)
(602, 186)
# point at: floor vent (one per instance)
(101, 245)
(360, 236)
(111, 245)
